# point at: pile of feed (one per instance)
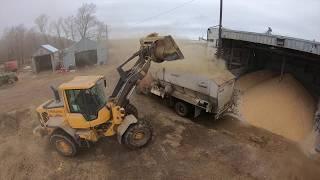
(282, 106)
(250, 80)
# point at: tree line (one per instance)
(19, 42)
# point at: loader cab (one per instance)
(85, 101)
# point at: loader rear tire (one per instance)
(181, 108)
(63, 143)
(131, 109)
(138, 135)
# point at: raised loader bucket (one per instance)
(165, 49)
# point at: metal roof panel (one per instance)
(50, 48)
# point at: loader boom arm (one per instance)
(128, 79)
(153, 48)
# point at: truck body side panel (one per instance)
(212, 94)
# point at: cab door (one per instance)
(75, 115)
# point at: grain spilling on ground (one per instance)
(282, 106)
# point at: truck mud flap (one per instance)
(197, 111)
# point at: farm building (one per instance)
(45, 58)
(248, 51)
(84, 53)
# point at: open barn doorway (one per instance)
(246, 57)
(43, 63)
(86, 58)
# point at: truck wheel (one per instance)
(131, 109)
(138, 135)
(63, 143)
(181, 108)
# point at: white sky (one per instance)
(297, 18)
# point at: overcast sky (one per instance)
(297, 18)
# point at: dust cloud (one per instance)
(121, 49)
(198, 60)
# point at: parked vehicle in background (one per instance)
(11, 66)
(8, 78)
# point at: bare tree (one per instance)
(31, 42)
(68, 27)
(42, 24)
(20, 35)
(14, 39)
(19, 43)
(101, 31)
(8, 41)
(56, 26)
(86, 20)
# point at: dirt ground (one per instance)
(180, 149)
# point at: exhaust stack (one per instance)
(55, 94)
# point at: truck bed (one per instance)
(210, 93)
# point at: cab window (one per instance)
(88, 102)
(72, 95)
(84, 102)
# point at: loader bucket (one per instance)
(165, 48)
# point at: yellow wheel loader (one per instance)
(80, 114)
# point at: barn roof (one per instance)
(45, 50)
(297, 44)
(50, 48)
(84, 44)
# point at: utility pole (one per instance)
(220, 31)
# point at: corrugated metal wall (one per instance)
(102, 52)
(272, 40)
(69, 59)
(85, 45)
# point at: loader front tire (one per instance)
(63, 143)
(138, 135)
